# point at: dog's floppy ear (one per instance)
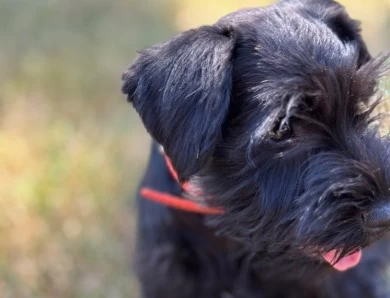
(181, 89)
(337, 19)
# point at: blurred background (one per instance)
(71, 148)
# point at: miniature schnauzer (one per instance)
(268, 177)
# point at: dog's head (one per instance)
(269, 112)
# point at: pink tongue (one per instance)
(345, 263)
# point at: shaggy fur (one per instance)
(268, 113)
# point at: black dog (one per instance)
(266, 114)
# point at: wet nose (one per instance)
(377, 218)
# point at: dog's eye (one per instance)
(281, 132)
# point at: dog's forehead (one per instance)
(274, 44)
(291, 46)
(277, 29)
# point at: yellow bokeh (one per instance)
(193, 13)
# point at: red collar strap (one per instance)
(175, 202)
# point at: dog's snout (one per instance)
(377, 218)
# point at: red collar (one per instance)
(175, 202)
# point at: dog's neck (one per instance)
(176, 202)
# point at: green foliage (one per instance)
(73, 48)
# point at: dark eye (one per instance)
(281, 131)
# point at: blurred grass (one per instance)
(71, 148)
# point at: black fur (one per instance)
(269, 113)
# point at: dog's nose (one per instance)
(377, 219)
